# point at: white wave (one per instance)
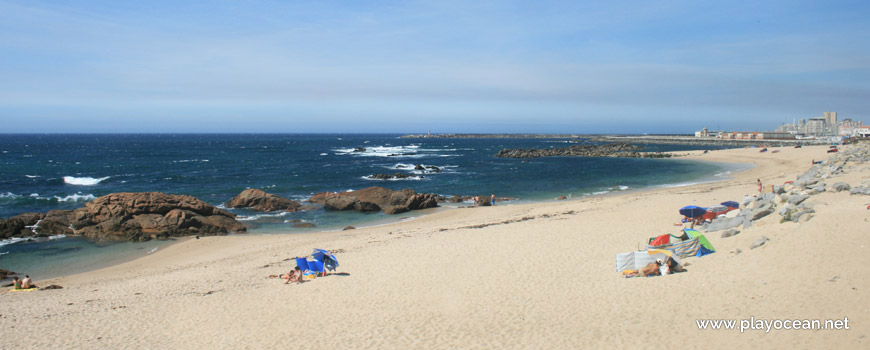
(4, 253)
(31, 176)
(259, 216)
(83, 181)
(11, 240)
(623, 187)
(152, 250)
(9, 195)
(324, 154)
(600, 192)
(50, 238)
(36, 195)
(409, 151)
(76, 197)
(369, 177)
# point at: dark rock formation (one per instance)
(396, 176)
(138, 216)
(127, 216)
(427, 168)
(376, 199)
(456, 199)
(605, 150)
(303, 225)
(348, 228)
(255, 199)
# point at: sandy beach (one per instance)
(522, 276)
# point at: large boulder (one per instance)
(840, 186)
(139, 216)
(376, 199)
(259, 200)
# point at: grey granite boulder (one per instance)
(759, 242)
(761, 212)
(730, 233)
(724, 223)
(860, 190)
(840, 186)
(797, 199)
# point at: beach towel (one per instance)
(23, 290)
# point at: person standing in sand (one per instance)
(492, 199)
(759, 184)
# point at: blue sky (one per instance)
(440, 66)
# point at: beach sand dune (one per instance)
(509, 277)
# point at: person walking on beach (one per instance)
(492, 199)
(759, 184)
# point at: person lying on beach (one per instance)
(26, 283)
(292, 276)
(651, 269)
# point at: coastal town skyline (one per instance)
(504, 67)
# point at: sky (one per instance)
(444, 66)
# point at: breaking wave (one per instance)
(83, 181)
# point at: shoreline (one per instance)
(387, 220)
(516, 276)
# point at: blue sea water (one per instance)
(44, 172)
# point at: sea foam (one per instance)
(83, 181)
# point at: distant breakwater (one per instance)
(641, 139)
(621, 150)
(689, 140)
(494, 136)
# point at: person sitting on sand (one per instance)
(674, 267)
(26, 283)
(16, 283)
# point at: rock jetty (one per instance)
(791, 201)
(606, 150)
(260, 200)
(139, 216)
(374, 199)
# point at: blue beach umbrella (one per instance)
(731, 204)
(329, 261)
(692, 211)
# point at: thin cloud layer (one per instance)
(443, 66)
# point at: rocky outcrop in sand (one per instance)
(791, 200)
(260, 200)
(137, 216)
(376, 199)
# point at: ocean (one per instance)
(42, 172)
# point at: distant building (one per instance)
(831, 118)
(847, 126)
(816, 126)
(861, 131)
(755, 135)
(703, 133)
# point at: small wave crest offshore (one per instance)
(83, 181)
